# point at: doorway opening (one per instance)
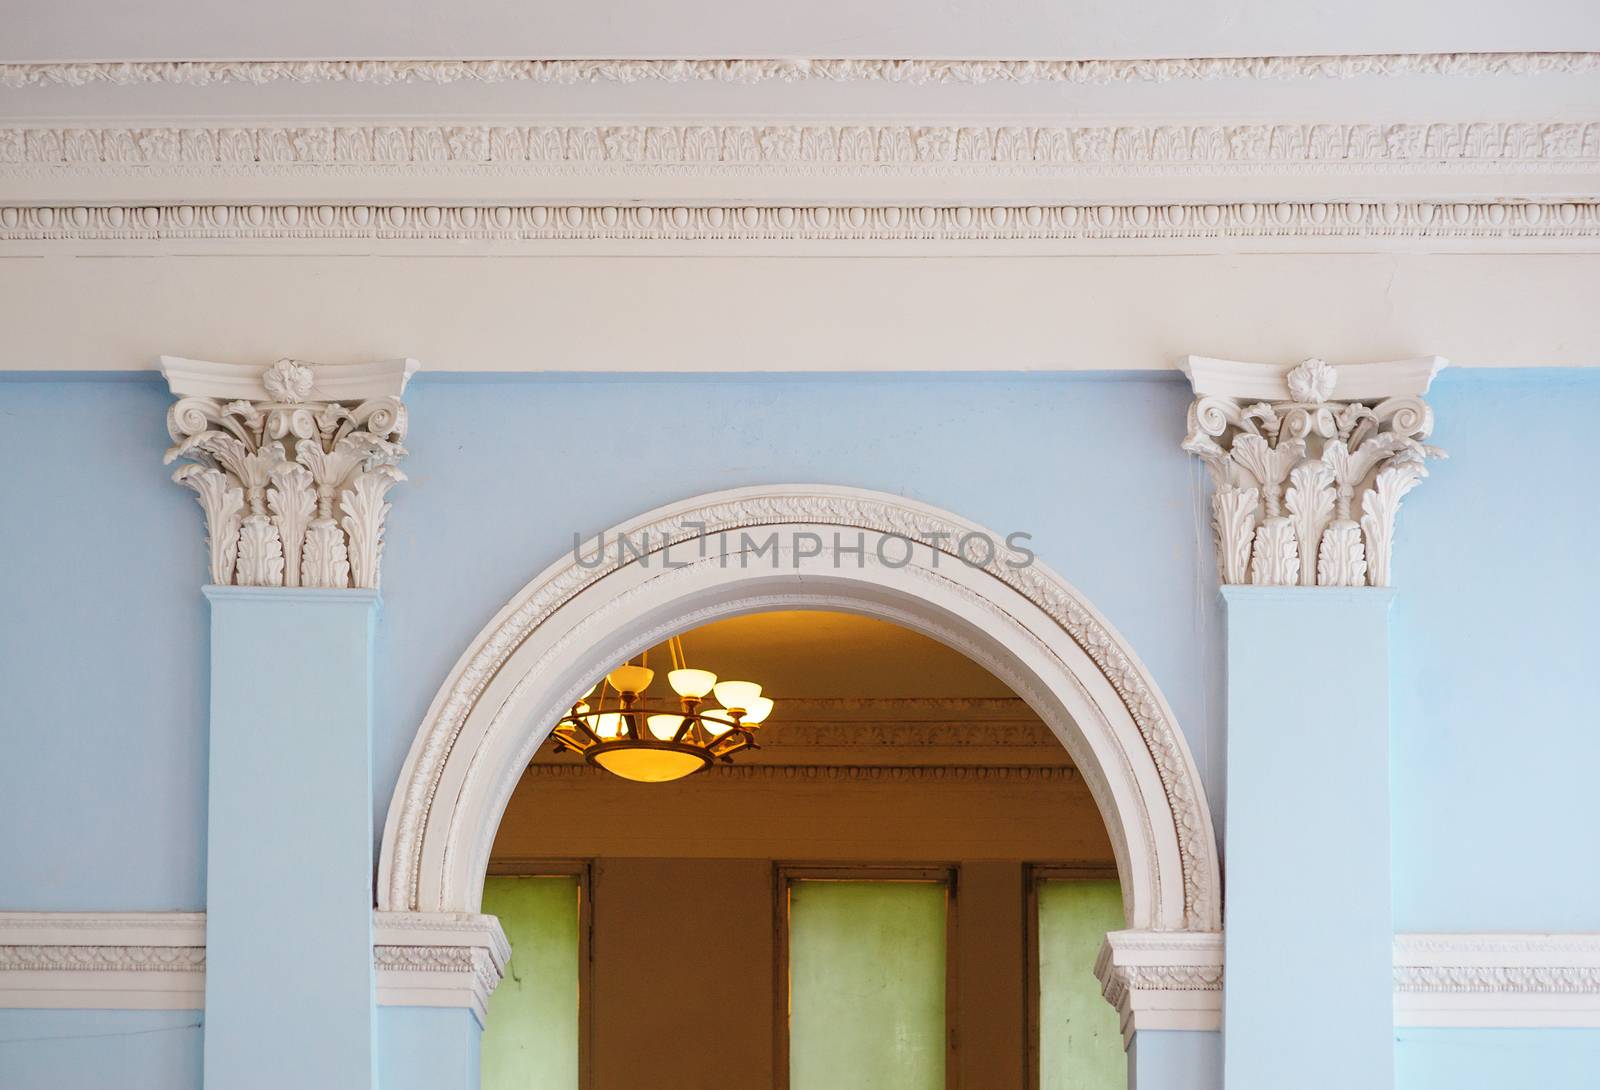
(905, 884)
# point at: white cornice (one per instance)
(759, 70)
(1479, 223)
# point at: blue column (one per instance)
(1308, 997)
(1175, 1059)
(428, 1048)
(289, 981)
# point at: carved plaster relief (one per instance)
(200, 73)
(291, 464)
(1310, 464)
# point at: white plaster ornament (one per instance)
(1310, 465)
(292, 478)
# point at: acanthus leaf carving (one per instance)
(1379, 506)
(1347, 462)
(270, 470)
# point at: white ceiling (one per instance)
(195, 29)
(813, 654)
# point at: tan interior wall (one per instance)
(683, 991)
(684, 901)
(682, 985)
(829, 815)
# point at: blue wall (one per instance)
(106, 679)
(504, 471)
(1497, 1059)
(102, 654)
(99, 1050)
(103, 638)
(1496, 684)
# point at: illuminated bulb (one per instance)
(757, 712)
(631, 679)
(714, 727)
(694, 684)
(665, 727)
(607, 724)
(740, 695)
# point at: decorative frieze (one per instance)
(291, 465)
(1497, 979)
(1251, 147)
(201, 73)
(157, 960)
(1310, 464)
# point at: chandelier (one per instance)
(618, 727)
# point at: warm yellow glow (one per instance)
(665, 727)
(606, 724)
(714, 728)
(581, 707)
(737, 694)
(757, 712)
(692, 683)
(649, 765)
(631, 679)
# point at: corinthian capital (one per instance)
(291, 464)
(1310, 463)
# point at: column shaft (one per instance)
(289, 978)
(1309, 934)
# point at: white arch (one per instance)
(1021, 621)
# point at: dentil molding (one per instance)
(1321, 148)
(1522, 222)
(291, 464)
(1162, 979)
(790, 70)
(1310, 463)
(157, 960)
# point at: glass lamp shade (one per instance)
(714, 727)
(740, 695)
(757, 712)
(650, 765)
(631, 679)
(606, 724)
(665, 727)
(694, 684)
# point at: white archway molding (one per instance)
(1024, 623)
